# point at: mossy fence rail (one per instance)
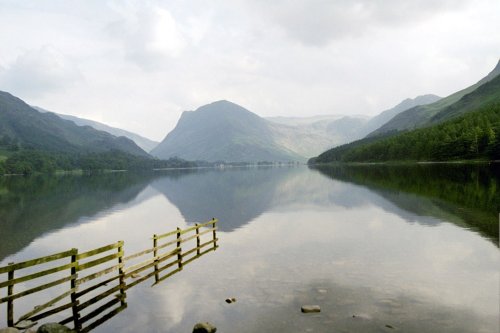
(78, 279)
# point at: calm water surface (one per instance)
(380, 249)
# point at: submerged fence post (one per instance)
(155, 253)
(214, 233)
(10, 302)
(74, 301)
(197, 239)
(120, 272)
(179, 254)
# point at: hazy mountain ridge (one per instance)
(223, 131)
(466, 129)
(421, 116)
(144, 143)
(385, 116)
(48, 132)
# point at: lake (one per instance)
(378, 248)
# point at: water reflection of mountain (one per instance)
(234, 196)
(466, 195)
(32, 206)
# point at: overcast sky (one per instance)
(138, 64)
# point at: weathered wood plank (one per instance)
(98, 311)
(95, 286)
(138, 254)
(42, 307)
(51, 312)
(104, 318)
(99, 250)
(38, 261)
(199, 226)
(189, 238)
(99, 297)
(177, 270)
(197, 238)
(165, 235)
(206, 231)
(37, 275)
(143, 278)
(34, 290)
(10, 303)
(198, 247)
(198, 256)
(98, 274)
(186, 230)
(99, 261)
(151, 261)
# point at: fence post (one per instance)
(214, 233)
(179, 254)
(10, 302)
(155, 253)
(120, 272)
(74, 300)
(197, 239)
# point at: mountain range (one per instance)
(29, 128)
(145, 143)
(425, 115)
(225, 131)
(464, 125)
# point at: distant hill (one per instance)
(466, 129)
(223, 131)
(384, 117)
(30, 128)
(421, 116)
(144, 143)
(311, 135)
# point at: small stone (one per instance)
(310, 308)
(362, 317)
(204, 328)
(53, 328)
(230, 300)
(25, 324)
(389, 326)
(9, 330)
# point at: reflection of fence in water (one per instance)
(104, 268)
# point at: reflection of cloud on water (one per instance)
(408, 276)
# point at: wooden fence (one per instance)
(99, 276)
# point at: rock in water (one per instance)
(310, 308)
(204, 328)
(53, 328)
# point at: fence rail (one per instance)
(106, 267)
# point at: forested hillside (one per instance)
(475, 135)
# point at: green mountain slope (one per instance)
(467, 129)
(31, 129)
(426, 115)
(385, 116)
(223, 131)
(144, 143)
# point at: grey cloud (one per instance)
(317, 22)
(36, 72)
